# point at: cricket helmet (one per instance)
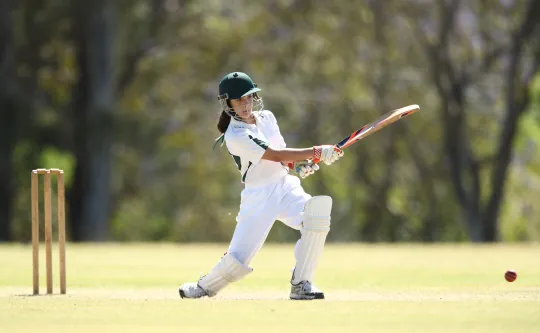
(236, 85)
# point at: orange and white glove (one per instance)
(327, 154)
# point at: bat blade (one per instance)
(378, 124)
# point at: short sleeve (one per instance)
(270, 115)
(247, 146)
(273, 120)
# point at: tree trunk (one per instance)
(7, 119)
(463, 169)
(516, 101)
(93, 117)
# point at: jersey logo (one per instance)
(237, 126)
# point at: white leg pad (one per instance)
(227, 270)
(315, 227)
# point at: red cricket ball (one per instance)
(510, 276)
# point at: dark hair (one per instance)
(223, 122)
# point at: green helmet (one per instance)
(236, 85)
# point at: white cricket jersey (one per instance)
(248, 142)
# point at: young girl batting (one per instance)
(253, 139)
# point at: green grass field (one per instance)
(369, 288)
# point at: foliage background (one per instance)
(122, 96)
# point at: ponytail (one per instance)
(223, 123)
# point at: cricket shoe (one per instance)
(192, 290)
(304, 290)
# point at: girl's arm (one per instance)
(326, 153)
(288, 154)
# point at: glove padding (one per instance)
(305, 168)
(327, 154)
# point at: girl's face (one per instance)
(243, 106)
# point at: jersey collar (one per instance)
(241, 124)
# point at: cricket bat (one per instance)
(378, 124)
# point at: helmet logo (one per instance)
(235, 75)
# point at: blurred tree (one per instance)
(124, 93)
(93, 105)
(8, 115)
(457, 62)
(95, 98)
(381, 224)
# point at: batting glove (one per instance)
(327, 154)
(305, 168)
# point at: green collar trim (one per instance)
(220, 139)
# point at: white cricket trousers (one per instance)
(260, 208)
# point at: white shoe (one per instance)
(191, 290)
(304, 290)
